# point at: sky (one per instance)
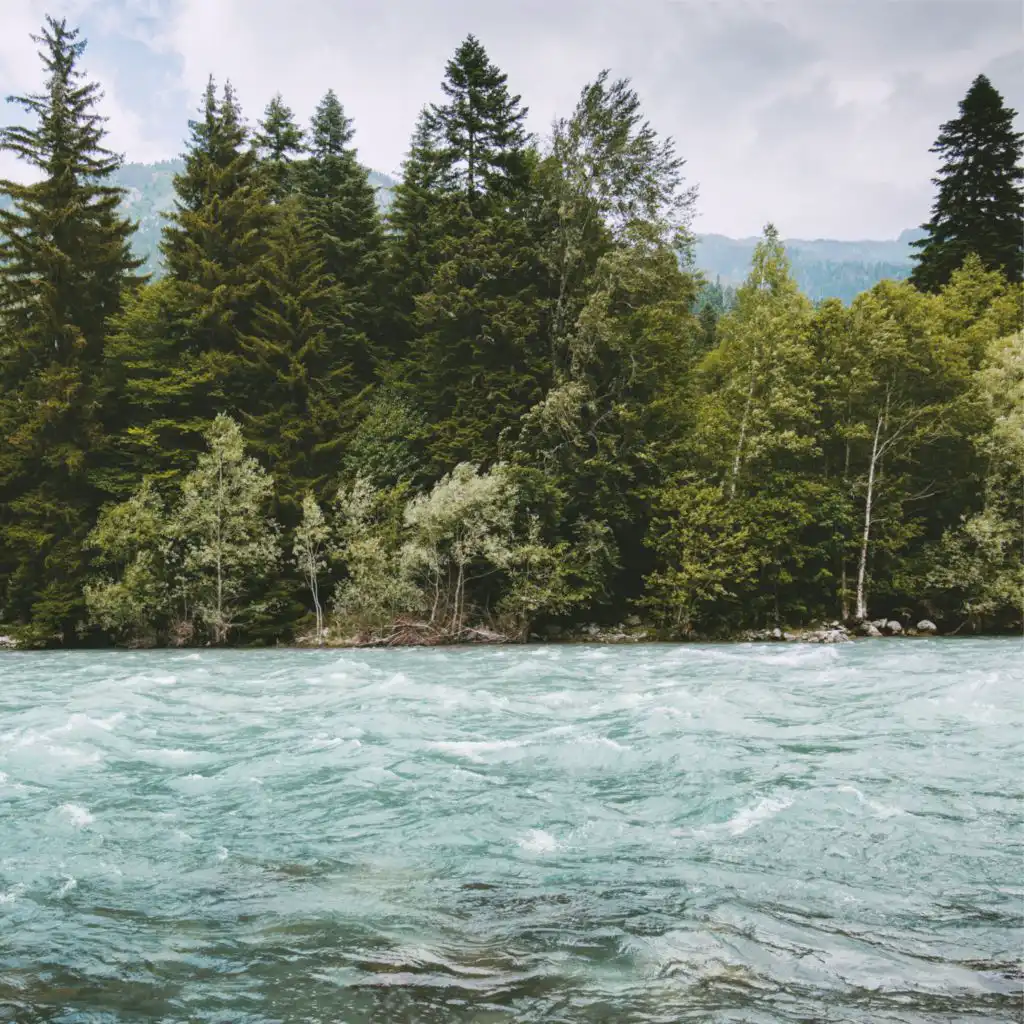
(815, 114)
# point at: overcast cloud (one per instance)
(816, 114)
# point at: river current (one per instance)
(652, 833)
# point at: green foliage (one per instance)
(132, 596)
(338, 205)
(978, 566)
(279, 141)
(226, 538)
(65, 263)
(378, 588)
(527, 405)
(979, 206)
(620, 332)
(195, 570)
(179, 350)
(705, 556)
(386, 444)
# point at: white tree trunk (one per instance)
(862, 568)
(844, 599)
(219, 630)
(314, 589)
(738, 461)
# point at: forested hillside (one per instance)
(822, 268)
(502, 406)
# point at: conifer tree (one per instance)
(480, 361)
(279, 142)
(411, 223)
(340, 205)
(483, 141)
(979, 207)
(178, 346)
(298, 359)
(472, 149)
(65, 264)
(478, 355)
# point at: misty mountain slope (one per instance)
(823, 267)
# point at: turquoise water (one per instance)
(659, 833)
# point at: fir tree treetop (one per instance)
(979, 205)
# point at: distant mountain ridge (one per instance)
(823, 267)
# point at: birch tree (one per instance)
(228, 540)
(759, 405)
(459, 532)
(906, 419)
(309, 550)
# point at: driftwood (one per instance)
(426, 634)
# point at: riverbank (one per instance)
(631, 632)
(634, 631)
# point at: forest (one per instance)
(504, 408)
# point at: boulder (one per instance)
(829, 635)
(868, 629)
(927, 627)
(893, 628)
(879, 624)
(8, 643)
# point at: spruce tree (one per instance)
(279, 142)
(484, 142)
(298, 367)
(65, 263)
(477, 359)
(411, 228)
(178, 346)
(979, 207)
(340, 206)
(480, 361)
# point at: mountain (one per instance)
(823, 267)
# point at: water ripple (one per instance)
(663, 833)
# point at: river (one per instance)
(555, 833)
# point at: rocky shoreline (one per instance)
(632, 631)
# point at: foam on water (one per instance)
(77, 814)
(764, 833)
(538, 841)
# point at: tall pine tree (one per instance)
(477, 359)
(279, 142)
(178, 346)
(483, 140)
(411, 229)
(339, 204)
(979, 207)
(65, 263)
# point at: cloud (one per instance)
(818, 116)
